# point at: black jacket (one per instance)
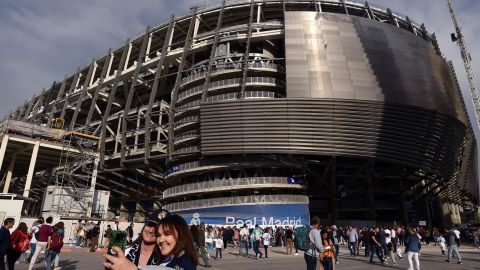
(5, 242)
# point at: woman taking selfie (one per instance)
(175, 243)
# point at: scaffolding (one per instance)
(76, 174)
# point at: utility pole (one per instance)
(467, 61)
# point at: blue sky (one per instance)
(41, 41)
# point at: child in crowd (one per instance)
(441, 242)
(218, 246)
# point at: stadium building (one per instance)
(267, 112)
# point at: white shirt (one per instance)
(243, 232)
(218, 243)
(266, 239)
(441, 241)
(388, 238)
(208, 238)
(35, 230)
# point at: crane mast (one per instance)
(467, 61)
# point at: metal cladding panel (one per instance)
(406, 135)
(348, 57)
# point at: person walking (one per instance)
(106, 236)
(441, 243)
(327, 256)
(266, 241)
(244, 235)
(236, 237)
(33, 239)
(78, 233)
(352, 237)
(256, 238)
(316, 246)
(201, 245)
(54, 245)
(227, 236)
(20, 244)
(453, 243)
(412, 246)
(366, 240)
(42, 232)
(375, 246)
(94, 233)
(209, 241)
(218, 246)
(5, 240)
(289, 240)
(335, 236)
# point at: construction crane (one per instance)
(467, 61)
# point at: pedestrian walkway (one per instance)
(430, 258)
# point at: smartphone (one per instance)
(117, 238)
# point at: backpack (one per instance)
(56, 242)
(302, 239)
(22, 245)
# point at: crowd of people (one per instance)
(169, 242)
(43, 236)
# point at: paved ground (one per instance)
(79, 259)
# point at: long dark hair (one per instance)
(22, 227)
(179, 228)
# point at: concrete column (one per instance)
(93, 182)
(149, 44)
(123, 212)
(8, 180)
(170, 39)
(139, 212)
(3, 148)
(195, 30)
(31, 169)
(128, 56)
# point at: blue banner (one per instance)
(261, 214)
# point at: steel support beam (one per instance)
(82, 94)
(344, 7)
(247, 53)
(153, 93)
(29, 108)
(212, 53)
(178, 80)
(76, 79)
(38, 104)
(128, 103)
(59, 96)
(111, 97)
(99, 87)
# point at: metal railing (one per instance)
(222, 184)
(240, 200)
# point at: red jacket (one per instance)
(17, 236)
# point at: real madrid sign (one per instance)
(263, 215)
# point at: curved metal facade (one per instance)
(333, 102)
